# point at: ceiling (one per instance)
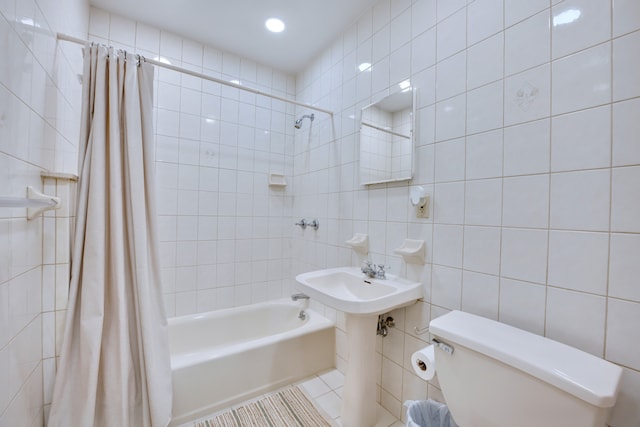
(238, 25)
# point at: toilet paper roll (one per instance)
(424, 363)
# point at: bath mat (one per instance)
(286, 408)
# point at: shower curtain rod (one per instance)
(66, 37)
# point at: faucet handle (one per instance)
(380, 271)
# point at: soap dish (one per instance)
(413, 251)
(359, 243)
(277, 180)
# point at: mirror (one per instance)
(386, 139)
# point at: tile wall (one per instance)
(528, 145)
(225, 234)
(39, 117)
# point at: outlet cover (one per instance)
(422, 211)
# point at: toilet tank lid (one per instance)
(581, 374)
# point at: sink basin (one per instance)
(349, 290)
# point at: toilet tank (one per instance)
(501, 376)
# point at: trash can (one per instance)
(428, 413)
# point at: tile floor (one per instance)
(326, 390)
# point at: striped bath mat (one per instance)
(286, 408)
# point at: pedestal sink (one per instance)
(362, 299)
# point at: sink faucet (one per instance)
(373, 271)
(296, 297)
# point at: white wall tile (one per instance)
(423, 16)
(400, 64)
(451, 35)
(446, 287)
(580, 200)
(516, 10)
(578, 25)
(523, 305)
(448, 203)
(451, 76)
(485, 61)
(423, 49)
(450, 160)
(625, 200)
(447, 7)
(526, 201)
(484, 155)
(524, 254)
(380, 44)
(623, 266)
(147, 38)
(99, 23)
(582, 80)
(526, 148)
(480, 294)
(626, 67)
(622, 318)
(581, 140)
(526, 95)
(447, 245)
(484, 20)
(483, 202)
(626, 17)
(484, 108)
(450, 118)
(626, 127)
(482, 249)
(400, 30)
(527, 44)
(576, 319)
(579, 261)
(122, 30)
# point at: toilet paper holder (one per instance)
(443, 346)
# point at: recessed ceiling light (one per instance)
(274, 25)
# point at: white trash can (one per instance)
(428, 413)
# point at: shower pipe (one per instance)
(68, 38)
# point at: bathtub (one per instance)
(223, 357)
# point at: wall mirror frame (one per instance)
(387, 138)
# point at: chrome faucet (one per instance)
(296, 297)
(374, 271)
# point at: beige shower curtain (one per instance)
(114, 366)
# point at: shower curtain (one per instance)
(114, 367)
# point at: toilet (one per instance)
(495, 375)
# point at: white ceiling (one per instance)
(238, 25)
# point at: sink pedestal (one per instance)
(359, 394)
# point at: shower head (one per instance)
(298, 124)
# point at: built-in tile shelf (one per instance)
(277, 180)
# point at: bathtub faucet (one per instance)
(296, 297)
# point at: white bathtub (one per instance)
(223, 357)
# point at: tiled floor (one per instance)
(326, 390)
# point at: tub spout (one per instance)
(296, 297)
